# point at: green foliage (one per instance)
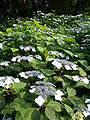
(45, 57)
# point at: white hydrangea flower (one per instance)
(2, 84)
(33, 49)
(87, 100)
(67, 67)
(88, 105)
(16, 80)
(27, 48)
(39, 100)
(5, 63)
(58, 95)
(26, 77)
(41, 76)
(74, 67)
(22, 74)
(57, 64)
(32, 90)
(76, 78)
(86, 113)
(85, 80)
(1, 46)
(21, 47)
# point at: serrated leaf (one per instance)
(48, 72)
(69, 109)
(51, 113)
(2, 101)
(77, 102)
(31, 114)
(82, 72)
(14, 49)
(20, 105)
(8, 30)
(71, 92)
(54, 105)
(41, 49)
(69, 52)
(9, 108)
(83, 62)
(60, 42)
(18, 86)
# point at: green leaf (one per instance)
(43, 117)
(9, 108)
(18, 86)
(81, 55)
(71, 91)
(31, 114)
(48, 72)
(54, 105)
(60, 42)
(2, 90)
(51, 113)
(8, 30)
(14, 49)
(83, 62)
(2, 101)
(68, 76)
(81, 71)
(20, 105)
(41, 49)
(69, 109)
(17, 116)
(77, 102)
(69, 52)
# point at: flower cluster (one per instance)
(27, 48)
(59, 63)
(86, 112)
(6, 81)
(1, 46)
(77, 78)
(45, 89)
(31, 74)
(5, 63)
(56, 52)
(28, 58)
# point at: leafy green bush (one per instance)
(43, 74)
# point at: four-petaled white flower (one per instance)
(74, 67)
(76, 78)
(16, 80)
(41, 76)
(87, 100)
(1, 46)
(58, 95)
(57, 64)
(85, 80)
(86, 113)
(67, 67)
(39, 100)
(88, 105)
(32, 90)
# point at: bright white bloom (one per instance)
(67, 57)
(21, 47)
(26, 48)
(5, 63)
(33, 49)
(41, 76)
(74, 67)
(57, 64)
(2, 84)
(1, 46)
(87, 100)
(88, 105)
(85, 80)
(86, 113)
(14, 25)
(16, 80)
(62, 55)
(26, 77)
(76, 78)
(22, 74)
(38, 57)
(67, 67)
(39, 100)
(58, 95)
(32, 90)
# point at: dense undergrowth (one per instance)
(44, 68)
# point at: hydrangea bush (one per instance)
(44, 74)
